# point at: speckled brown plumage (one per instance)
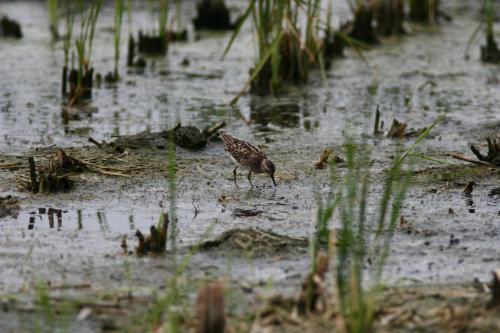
(248, 157)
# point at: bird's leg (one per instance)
(234, 174)
(249, 178)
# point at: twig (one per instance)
(10, 165)
(71, 286)
(94, 141)
(466, 159)
(215, 128)
(92, 165)
(110, 173)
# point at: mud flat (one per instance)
(65, 248)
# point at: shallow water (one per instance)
(418, 78)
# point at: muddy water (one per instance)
(414, 79)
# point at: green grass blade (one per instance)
(239, 24)
(259, 66)
(419, 139)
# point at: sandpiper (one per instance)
(248, 157)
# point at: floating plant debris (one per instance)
(10, 28)
(255, 240)
(188, 137)
(399, 130)
(152, 44)
(53, 177)
(322, 162)
(212, 15)
(9, 206)
(323, 159)
(56, 171)
(242, 212)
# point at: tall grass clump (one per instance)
(490, 51)
(156, 42)
(81, 77)
(285, 51)
(358, 233)
(53, 18)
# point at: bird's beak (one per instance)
(274, 182)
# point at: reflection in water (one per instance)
(116, 124)
(103, 223)
(113, 221)
(51, 214)
(469, 203)
(79, 219)
(131, 222)
(285, 114)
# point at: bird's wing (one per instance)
(247, 154)
(242, 151)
